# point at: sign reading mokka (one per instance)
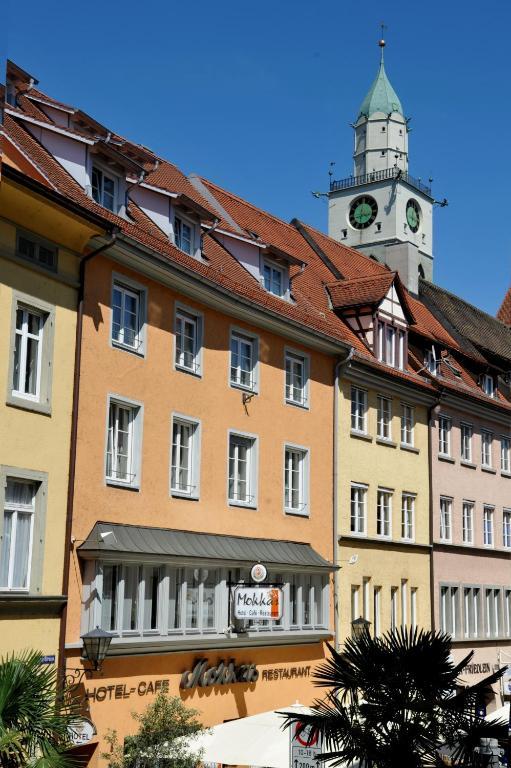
(259, 602)
(224, 673)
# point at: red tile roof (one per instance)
(328, 267)
(360, 291)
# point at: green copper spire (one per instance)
(381, 96)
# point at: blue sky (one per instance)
(258, 97)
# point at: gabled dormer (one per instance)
(377, 310)
(274, 269)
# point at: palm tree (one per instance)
(34, 715)
(396, 701)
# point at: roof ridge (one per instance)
(360, 278)
(347, 248)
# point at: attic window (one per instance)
(37, 250)
(104, 189)
(488, 384)
(431, 361)
(391, 344)
(274, 278)
(183, 235)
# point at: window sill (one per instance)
(444, 457)
(410, 448)
(356, 535)
(505, 474)
(189, 371)
(242, 504)
(24, 404)
(182, 495)
(126, 348)
(386, 441)
(119, 484)
(445, 541)
(250, 390)
(295, 513)
(490, 470)
(303, 406)
(469, 464)
(361, 435)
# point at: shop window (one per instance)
(137, 601)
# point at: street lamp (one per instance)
(359, 627)
(95, 646)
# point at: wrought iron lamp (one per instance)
(359, 627)
(95, 647)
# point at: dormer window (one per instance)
(431, 361)
(273, 279)
(183, 235)
(488, 384)
(104, 189)
(10, 93)
(392, 344)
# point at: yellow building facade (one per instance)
(41, 240)
(383, 502)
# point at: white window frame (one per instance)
(446, 519)
(407, 425)
(194, 454)
(15, 510)
(449, 610)
(505, 454)
(488, 525)
(486, 449)
(392, 343)
(471, 611)
(39, 480)
(178, 216)
(444, 436)
(466, 434)
(295, 357)
(130, 287)
(384, 418)
(358, 523)
(384, 513)
(413, 607)
(506, 528)
(99, 168)
(431, 361)
(359, 410)
(244, 336)
(408, 515)
(467, 522)
(394, 609)
(284, 277)
(189, 315)
(42, 399)
(377, 610)
(303, 478)
(135, 448)
(252, 469)
(493, 611)
(488, 384)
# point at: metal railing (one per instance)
(387, 173)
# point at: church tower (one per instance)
(381, 209)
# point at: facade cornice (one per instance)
(31, 605)
(370, 541)
(464, 549)
(476, 407)
(367, 376)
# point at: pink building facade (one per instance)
(471, 531)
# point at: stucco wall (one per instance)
(385, 563)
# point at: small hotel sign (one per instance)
(257, 603)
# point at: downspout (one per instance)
(72, 448)
(340, 365)
(433, 409)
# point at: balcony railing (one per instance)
(387, 173)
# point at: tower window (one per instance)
(378, 227)
(383, 152)
(383, 129)
(400, 131)
(344, 233)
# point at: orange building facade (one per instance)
(180, 487)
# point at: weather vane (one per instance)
(381, 41)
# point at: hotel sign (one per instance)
(258, 603)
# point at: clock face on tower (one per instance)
(363, 212)
(413, 215)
